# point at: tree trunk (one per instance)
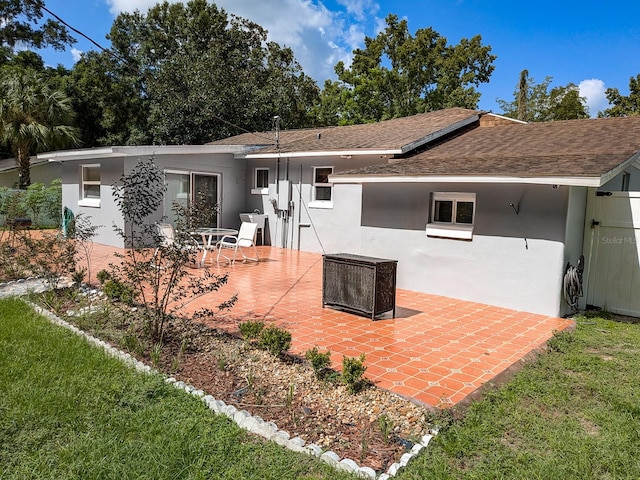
(24, 167)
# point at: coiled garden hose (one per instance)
(572, 283)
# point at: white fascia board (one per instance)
(633, 161)
(327, 153)
(110, 152)
(440, 133)
(569, 181)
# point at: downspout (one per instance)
(299, 204)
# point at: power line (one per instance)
(75, 30)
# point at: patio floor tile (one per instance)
(436, 351)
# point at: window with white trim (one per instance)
(90, 186)
(260, 181)
(322, 195)
(452, 215)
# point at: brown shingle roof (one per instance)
(396, 134)
(589, 147)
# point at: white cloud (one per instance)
(76, 54)
(593, 90)
(319, 37)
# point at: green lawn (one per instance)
(67, 410)
(573, 414)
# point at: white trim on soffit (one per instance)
(570, 181)
(109, 152)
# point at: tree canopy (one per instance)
(534, 102)
(34, 116)
(189, 74)
(623, 105)
(22, 24)
(398, 74)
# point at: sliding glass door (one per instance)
(197, 189)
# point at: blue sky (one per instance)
(587, 43)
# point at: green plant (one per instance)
(156, 353)
(352, 371)
(291, 394)
(385, 424)
(117, 290)
(132, 343)
(275, 340)
(103, 276)
(319, 361)
(162, 292)
(251, 329)
(78, 275)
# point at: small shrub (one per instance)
(352, 371)
(275, 340)
(78, 275)
(103, 276)
(116, 290)
(319, 361)
(251, 329)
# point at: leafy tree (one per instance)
(22, 25)
(534, 102)
(623, 106)
(188, 74)
(33, 117)
(107, 101)
(159, 281)
(397, 74)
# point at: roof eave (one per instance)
(125, 151)
(576, 181)
(322, 153)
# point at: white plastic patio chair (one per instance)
(244, 239)
(167, 237)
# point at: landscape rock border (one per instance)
(246, 420)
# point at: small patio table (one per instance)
(208, 234)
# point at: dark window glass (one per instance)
(443, 211)
(464, 212)
(323, 193)
(262, 178)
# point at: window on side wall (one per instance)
(90, 186)
(452, 215)
(322, 189)
(260, 181)
(626, 179)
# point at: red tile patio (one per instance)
(437, 351)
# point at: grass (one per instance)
(572, 414)
(67, 410)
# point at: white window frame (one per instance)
(315, 203)
(452, 229)
(84, 201)
(260, 190)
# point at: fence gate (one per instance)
(612, 252)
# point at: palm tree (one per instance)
(34, 116)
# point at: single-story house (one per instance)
(471, 204)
